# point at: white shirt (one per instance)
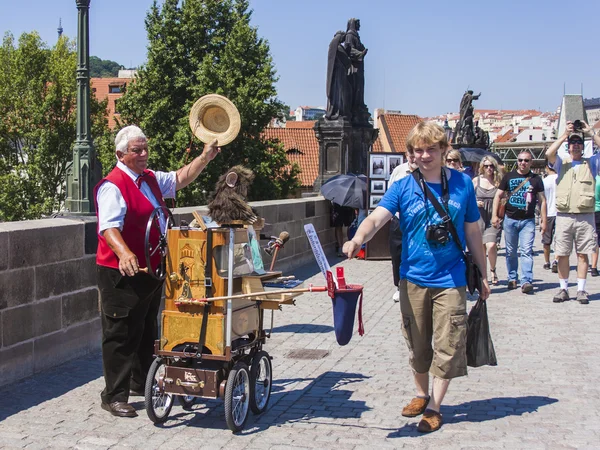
(550, 193)
(111, 205)
(399, 172)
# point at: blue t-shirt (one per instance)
(425, 263)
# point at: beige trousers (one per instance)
(438, 313)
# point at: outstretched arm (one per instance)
(188, 173)
(366, 231)
(553, 149)
(587, 130)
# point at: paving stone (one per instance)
(352, 398)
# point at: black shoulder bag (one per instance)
(473, 274)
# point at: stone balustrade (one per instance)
(48, 295)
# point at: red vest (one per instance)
(139, 209)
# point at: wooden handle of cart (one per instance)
(254, 294)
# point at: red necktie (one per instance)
(138, 181)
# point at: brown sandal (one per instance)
(431, 421)
(416, 407)
(494, 277)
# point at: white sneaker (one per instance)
(396, 296)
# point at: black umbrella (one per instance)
(477, 154)
(346, 190)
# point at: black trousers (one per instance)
(395, 239)
(129, 328)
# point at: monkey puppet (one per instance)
(228, 200)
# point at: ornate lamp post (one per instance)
(85, 171)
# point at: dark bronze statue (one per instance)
(466, 104)
(466, 133)
(346, 76)
(339, 89)
(357, 51)
(482, 138)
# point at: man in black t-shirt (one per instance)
(522, 189)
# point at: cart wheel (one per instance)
(187, 401)
(261, 378)
(237, 397)
(158, 402)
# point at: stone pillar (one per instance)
(334, 138)
(85, 170)
(343, 148)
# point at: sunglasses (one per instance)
(452, 160)
(488, 166)
(524, 160)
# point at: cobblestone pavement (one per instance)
(543, 393)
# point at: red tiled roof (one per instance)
(514, 112)
(100, 88)
(506, 137)
(377, 145)
(306, 149)
(393, 130)
(300, 123)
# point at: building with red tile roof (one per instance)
(111, 89)
(506, 137)
(393, 131)
(301, 145)
(300, 124)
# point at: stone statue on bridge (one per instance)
(466, 133)
(339, 89)
(346, 76)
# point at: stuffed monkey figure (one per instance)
(228, 201)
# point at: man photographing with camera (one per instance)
(575, 205)
(432, 271)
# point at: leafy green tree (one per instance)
(197, 47)
(37, 124)
(103, 67)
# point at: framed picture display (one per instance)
(378, 186)
(393, 161)
(374, 200)
(378, 167)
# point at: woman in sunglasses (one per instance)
(486, 185)
(454, 161)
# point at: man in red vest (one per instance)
(130, 299)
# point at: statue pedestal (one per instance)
(343, 148)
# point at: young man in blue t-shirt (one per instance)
(432, 273)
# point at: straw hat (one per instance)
(214, 116)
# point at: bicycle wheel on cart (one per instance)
(158, 403)
(237, 397)
(261, 378)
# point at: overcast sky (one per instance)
(422, 55)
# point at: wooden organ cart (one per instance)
(210, 348)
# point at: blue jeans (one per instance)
(519, 233)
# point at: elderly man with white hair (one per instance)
(129, 297)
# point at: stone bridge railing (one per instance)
(48, 296)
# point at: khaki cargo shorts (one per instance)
(438, 313)
(578, 229)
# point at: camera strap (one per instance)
(443, 213)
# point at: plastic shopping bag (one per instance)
(480, 349)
